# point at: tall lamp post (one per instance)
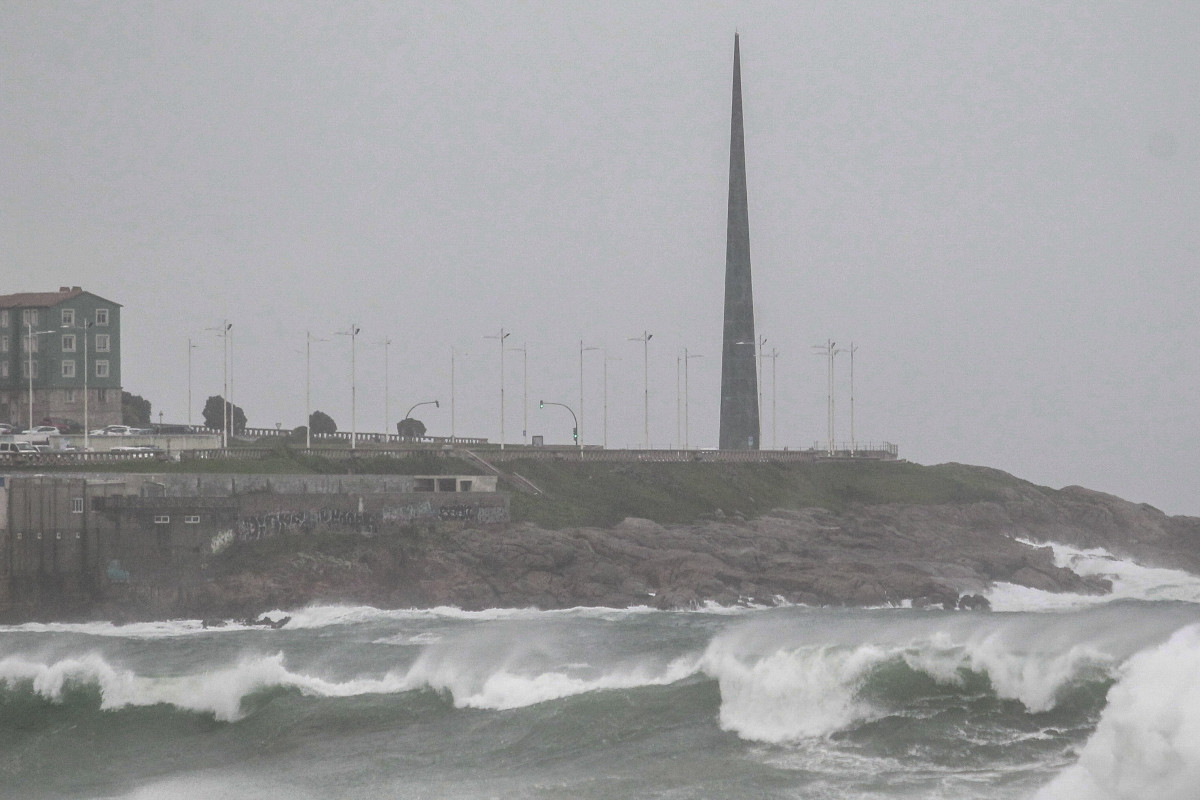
(645, 340)
(87, 442)
(686, 358)
(582, 350)
(191, 346)
(829, 350)
(773, 356)
(30, 346)
(575, 430)
(353, 332)
(853, 445)
(607, 358)
(308, 340)
(387, 415)
(224, 332)
(524, 351)
(501, 337)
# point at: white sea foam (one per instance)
(1147, 744)
(1130, 581)
(218, 692)
(790, 694)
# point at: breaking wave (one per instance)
(1147, 743)
(1130, 581)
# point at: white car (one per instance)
(113, 430)
(42, 430)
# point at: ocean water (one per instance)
(1049, 697)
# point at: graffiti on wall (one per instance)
(259, 526)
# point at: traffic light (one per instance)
(575, 433)
(541, 403)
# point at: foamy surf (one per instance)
(1130, 581)
(1147, 744)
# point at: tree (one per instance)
(410, 428)
(320, 422)
(214, 416)
(135, 410)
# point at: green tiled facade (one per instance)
(62, 322)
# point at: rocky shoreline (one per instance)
(928, 555)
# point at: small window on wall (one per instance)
(68, 317)
(4, 318)
(68, 369)
(162, 519)
(101, 316)
(29, 317)
(76, 505)
(102, 345)
(68, 343)
(3, 369)
(3, 344)
(101, 369)
(192, 519)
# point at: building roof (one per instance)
(43, 299)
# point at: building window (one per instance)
(29, 317)
(101, 316)
(26, 367)
(68, 317)
(28, 343)
(68, 368)
(3, 369)
(101, 342)
(68, 395)
(76, 505)
(161, 519)
(4, 318)
(101, 369)
(3, 344)
(68, 343)
(101, 395)
(192, 519)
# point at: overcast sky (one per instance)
(997, 203)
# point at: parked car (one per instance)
(113, 430)
(42, 430)
(17, 449)
(137, 448)
(6, 429)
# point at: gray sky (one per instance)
(996, 202)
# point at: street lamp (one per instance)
(575, 430)
(225, 331)
(645, 340)
(607, 358)
(30, 345)
(829, 351)
(501, 337)
(308, 340)
(774, 356)
(524, 351)
(853, 444)
(686, 358)
(387, 417)
(191, 347)
(86, 423)
(582, 350)
(353, 332)
(434, 403)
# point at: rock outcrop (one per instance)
(932, 555)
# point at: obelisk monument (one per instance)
(739, 374)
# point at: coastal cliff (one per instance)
(863, 546)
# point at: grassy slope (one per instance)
(602, 494)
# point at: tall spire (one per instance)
(739, 375)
